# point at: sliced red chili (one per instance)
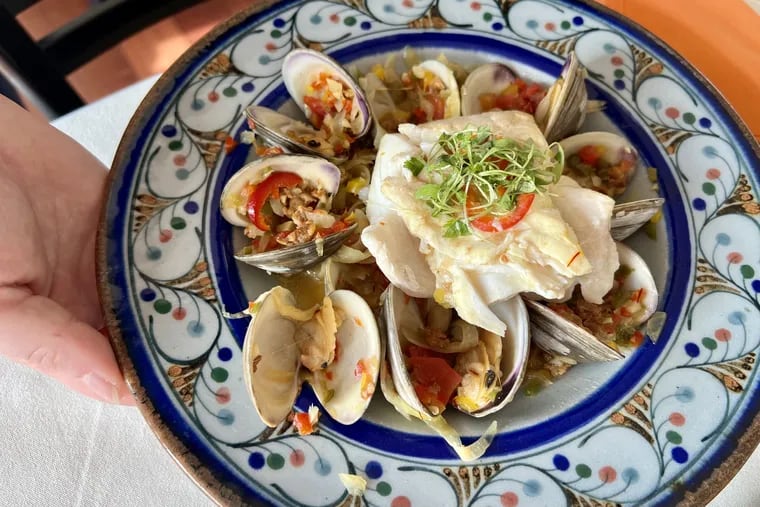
(490, 223)
(317, 108)
(303, 423)
(338, 226)
(269, 187)
(590, 154)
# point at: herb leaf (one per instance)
(471, 174)
(415, 165)
(455, 229)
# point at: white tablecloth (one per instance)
(60, 448)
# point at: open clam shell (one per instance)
(280, 338)
(629, 217)
(317, 172)
(388, 108)
(622, 160)
(554, 333)
(271, 367)
(452, 104)
(563, 110)
(291, 135)
(489, 77)
(346, 386)
(617, 156)
(314, 170)
(511, 353)
(302, 67)
(294, 259)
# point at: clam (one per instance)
(563, 110)
(601, 161)
(395, 100)
(629, 217)
(335, 347)
(333, 103)
(307, 207)
(484, 84)
(637, 297)
(490, 367)
(606, 162)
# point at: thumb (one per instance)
(40, 333)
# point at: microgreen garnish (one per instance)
(471, 174)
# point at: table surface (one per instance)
(61, 448)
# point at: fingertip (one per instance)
(101, 388)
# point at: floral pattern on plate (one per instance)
(648, 441)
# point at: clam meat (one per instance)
(334, 346)
(586, 331)
(437, 359)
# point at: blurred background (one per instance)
(720, 38)
(148, 52)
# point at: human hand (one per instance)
(51, 191)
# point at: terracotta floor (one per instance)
(146, 53)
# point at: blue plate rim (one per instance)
(220, 484)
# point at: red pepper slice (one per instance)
(338, 226)
(317, 108)
(439, 106)
(303, 424)
(590, 154)
(261, 192)
(489, 223)
(433, 379)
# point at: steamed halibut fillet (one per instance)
(541, 254)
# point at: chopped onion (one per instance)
(654, 326)
(438, 424)
(348, 255)
(354, 484)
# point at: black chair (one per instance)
(43, 65)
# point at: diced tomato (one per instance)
(518, 96)
(230, 144)
(590, 154)
(317, 108)
(417, 351)
(269, 187)
(419, 115)
(489, 223)
(434, 380)
(338, 226)
(439, 106)
(270, 243)
(303, 424)
(637, 338)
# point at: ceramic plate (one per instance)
(651, 429)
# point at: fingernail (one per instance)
(101, 388)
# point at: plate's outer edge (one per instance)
(193, 467)
(218, 491)
(719, 477)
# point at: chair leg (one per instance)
(34, 67)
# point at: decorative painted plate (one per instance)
(670, 423)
